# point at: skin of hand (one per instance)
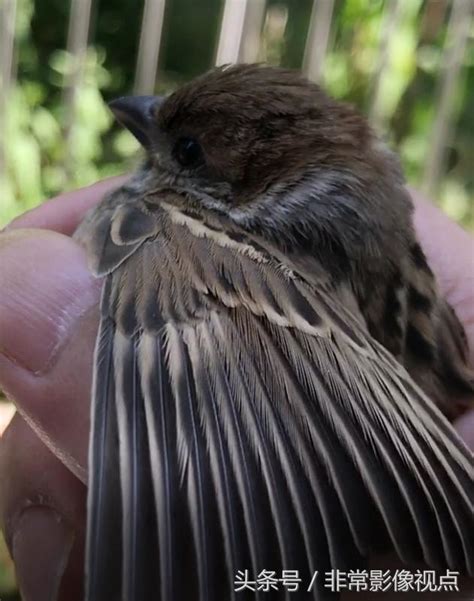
(48, 321)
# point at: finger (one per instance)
(64, 212)
(465, 427)
(42, 512)
(6, 414)
(46, 363)
(450, 252)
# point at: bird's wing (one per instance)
(243, 418)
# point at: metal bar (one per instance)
(391, 20)
(232, 29)
(149, 48)
(318, 38)
(456, 40)
(7, 39)
(252, 31)
(78, 32)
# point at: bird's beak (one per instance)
(138, 115)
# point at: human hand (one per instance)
(48, 319)
(47, 327)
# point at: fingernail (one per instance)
(45, 287)
(41, 545)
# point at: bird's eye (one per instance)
(187, 152)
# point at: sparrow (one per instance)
(275, 368)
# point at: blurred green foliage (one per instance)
(46, 154)
(7, 581)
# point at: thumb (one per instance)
(48, 322)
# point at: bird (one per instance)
(275, 369)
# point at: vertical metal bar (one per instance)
(456, 39)
(252, 31)
(149, 49)
(391, 20)
(318, 38)
(7, 38)
(78, 31)
(232, 28)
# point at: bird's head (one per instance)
(263, 144)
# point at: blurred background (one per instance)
(407, 64)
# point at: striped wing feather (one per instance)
(258, 424)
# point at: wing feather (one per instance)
(258, 419)
(193, 464)
(270, 443)
(138, 520)
(104, 507)
(236, 548)
(161, 423)
(252, 496)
